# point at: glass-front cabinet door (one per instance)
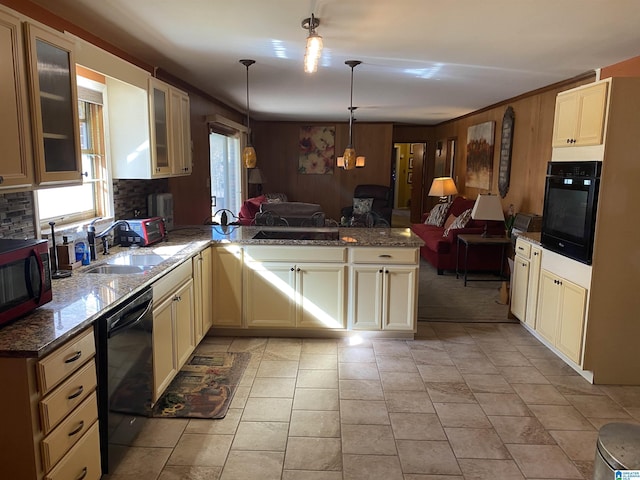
(54, 103)
(159, 112)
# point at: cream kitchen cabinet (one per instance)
(580, 116)
(227, 286)
(173, 325)
(561, 314)
(308, 291)
(54, 107)
(203, 290)
(150, 130)
(50, 418)
(16, 170)
(526, 274)
(179, 108)
(383, 288)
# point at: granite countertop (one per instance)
(532, 237)
(84, 297)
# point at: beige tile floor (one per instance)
(462, 401)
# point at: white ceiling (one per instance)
(424, 61)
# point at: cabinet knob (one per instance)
(535, 254)
(177, 298)
(292, 269)
(380, 271)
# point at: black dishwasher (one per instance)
(125, 373)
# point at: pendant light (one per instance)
(248, 153)
(314, 44)
(349, 156)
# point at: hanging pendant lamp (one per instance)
(248, 153)
(349, 156)
(313, 49)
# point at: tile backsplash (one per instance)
(17, 214)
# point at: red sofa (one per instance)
(442, 252)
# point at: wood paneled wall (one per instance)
(277, 148)
(531, 151)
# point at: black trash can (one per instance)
(618, 448)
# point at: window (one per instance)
(93, 198)
(226, 173)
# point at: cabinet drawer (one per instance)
(82, 461)
(172, 280)
(296, 254)
(65, 360)
(67, 434)
(384, 255)
(57, 405)
(523, 248)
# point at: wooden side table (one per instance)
(478, 240)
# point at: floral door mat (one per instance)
(203, 388)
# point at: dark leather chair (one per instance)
(382, 202)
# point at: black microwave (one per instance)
(570, 207)
(25, 277)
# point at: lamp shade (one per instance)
(487, 207)
(249, 156)
(256, 177)
(442, 187)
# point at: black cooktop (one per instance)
(294, 234)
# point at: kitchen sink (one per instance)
(117, 269)
(144, 260)
(129, 263)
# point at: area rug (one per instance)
(203, 388)
(443, 298)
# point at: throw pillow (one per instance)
(450, 220)
(459, 222)
(437, 214)
(362, 205)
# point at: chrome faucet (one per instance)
(104, 234)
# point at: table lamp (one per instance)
(443, 187)
(487, 207)
(256, 178)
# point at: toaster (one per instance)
(141, 232)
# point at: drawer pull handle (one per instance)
(384, 255)
(77, 429)
(520, 248)
(77, 394)
(73, 358)
(83, 474)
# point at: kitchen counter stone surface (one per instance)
(84, 297)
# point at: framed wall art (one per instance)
(480, 155)
(317, 150)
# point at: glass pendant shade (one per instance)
(349, 158)
(249, 157)
(313, 49)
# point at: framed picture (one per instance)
(316, 149)
(409, 177)
(480, 155)
(410, 162)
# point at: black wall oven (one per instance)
(570, 204)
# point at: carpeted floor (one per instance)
(443, 298)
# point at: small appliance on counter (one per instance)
(525, 222)
(25, 277)
(142, 232)
(161, 205)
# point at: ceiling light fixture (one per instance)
(314, 44)
(349, 159)
(248, 153)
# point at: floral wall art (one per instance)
(480, 155)
(317, 150)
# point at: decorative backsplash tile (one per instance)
(16, 215)
(129, 197)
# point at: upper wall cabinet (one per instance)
(54, 107)
(150, 130)
(580, 116)
(16, 167)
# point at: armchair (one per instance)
(382, 203)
